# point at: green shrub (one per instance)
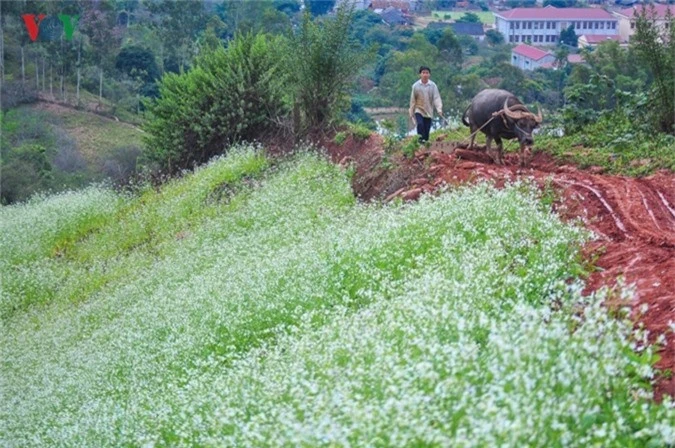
(616, 142)
(25, 170)
(340, 138)
(230, 95)
(409, 147)
(359, 131)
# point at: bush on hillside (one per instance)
(122, 164)
(232, 94)
(14, 93)
(25, 170)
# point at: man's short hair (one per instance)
(422, 68)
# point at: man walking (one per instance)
(423, 99)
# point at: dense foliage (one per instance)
(655, 45)
(119, 50)
(231, 94)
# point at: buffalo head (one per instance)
(522, 121)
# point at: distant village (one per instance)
(532, 30)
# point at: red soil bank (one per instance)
(634, 219)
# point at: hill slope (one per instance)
(258, 304)
(50, 146)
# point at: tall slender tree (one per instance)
(178, 27)
(655, 45)
(98, 23)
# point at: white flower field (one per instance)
(257, 303)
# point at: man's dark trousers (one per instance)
(423, 127)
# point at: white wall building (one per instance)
(627, 18)
(530, 58)
(542, 26)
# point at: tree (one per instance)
(560, 3)
(494, 37)
(140, 58)
(98, 24)
(25, 170)
(446, 4)
(179, 25)
(568, 36)
(450, 48)
(125, 12)
(363, 22)
(561, 53)
(141, 62)
(513, 79)
(254, 16)
(322, 60)
(469, 17)
(469, 44)
(655, 47)
(319, 7)
(288, 7)
(520, 3)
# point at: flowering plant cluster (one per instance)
(258, 304)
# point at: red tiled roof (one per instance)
(660, 10)
(575, 58)
(530, 52)
(597, 38)
(571, 58)
(553, 13)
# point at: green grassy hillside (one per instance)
(258, 304)
(50, 147)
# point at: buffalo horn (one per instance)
(538, 118)
(510, 113)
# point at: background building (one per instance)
(542, 26)
(530, 58)
(626, 18)
(593, 40)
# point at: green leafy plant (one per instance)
(322, 60)
(655, 45)
(410, 146)
(359, 131)
(340, 138)
(232, 94)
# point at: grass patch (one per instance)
(486, 17)
(359, 131)
(618, 153)
(630, 156)
(340, 138)
(96, 137)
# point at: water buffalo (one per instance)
(508, 118)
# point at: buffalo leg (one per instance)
(500, 150)
(488, 148)
(525, 155)
(473, 136)
(488, 142)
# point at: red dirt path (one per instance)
(634, 219)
